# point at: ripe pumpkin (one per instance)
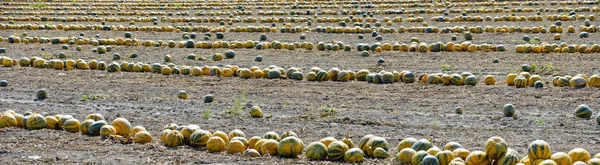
(170, 126)
(477, 158)
(380, 153)
(271, 135)
(580, 163)
(22, 122)
(451, 146)
(583, 111)
(489, 80)
(71, 125)
(107, 130)
(533, 79)
(495, 147)
(290, 147)
(84, 126)
(539, 149)
(510, 158)
(222, 135)
(269, 147)
(36, 121)
(251, 153)
(520, 82)
(418, 157)
(94, 129)
(594, 81)
(406, 143)
(122, 126)
(236, 133)
(136, 129)
(470, 80)
(594, 161)
(174, 139)
(562, 158)
(457, 80)
(362, 74)
(405, 156)
(62, 119)
(461, 153)
(252, 142)
(235, 147)
(510, 79)
(95, 117)
(430, 160)
(336, 150)
(316, 151)
(445, 157)
(348, 142)
(51, 122)
(19, 118)
(142, 137)
(354, 155)
(433, 151)
(579, 154)
(577, 82)
(199, 138)
(422, 144)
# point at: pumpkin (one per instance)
(362, 74)
(583, 111)
(107, 130)
(408, 77)
(561, 158)
(546, 162)
(422, 144)
(174, 139)
(170, 126)
(451, 146)
(94, 128)
(290, 147)
(142, 137)
(41, 94)
(457, 161)
(348, 142)
(251, 153)
(223, 136)
(405, 156)
(520, 82)
(84, 126)
(62, 119)
(445, 157)
(36, 121)
(136, 129)
(374, 143)
(21, 120)
(236, 133)
(95, 117)
(489, 80)
(430, 160)
(594, 161)
(477, 158)
(577, 82)
(71, 125)
(510, 158)
(508, 110)
(470, 80)
(271, 135)
(406, 143)
(122, 126)
(182, 94)
(255, 112)
(539, 149)
(594, 81)
(579, 154)
(461, 153)
(457, 80)
(433, 151)
(336, 150)
(235, 147)
(252, 142)
(354, 155)
(322, 76)
(495, 147)
(380, 153)
(199, 138)
(269, 147)
(316, 151)
(579, 163)
(51, 122)
(510, 79)
(418, 157)
(562, 82)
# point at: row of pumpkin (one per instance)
(343, 27)
(289, 145)
(521, 80)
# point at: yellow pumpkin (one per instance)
(579, 154)
(252, 142)
(142, 137)
(84, 126)
(216, 144)
(71, 125)
(235, 147)
(172, 138)
(236, 133)
(269, 147)
(107, 130)
(136, 129)
(95, 117)
(222, 135)
(561, 158)
(122, 126)
(495, 147)
(316, 151)
(290, 147)
(477, 158)
(405, 156)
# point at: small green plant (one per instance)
(533, 67)
(445, 67)
(207, 114)
(177, 5)
(540, 122)
(38, 5)
(435, 123)
(238, 106)
(84, 98)
(328, 111)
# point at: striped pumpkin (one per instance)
(214, 144)
(95, 117)
(316, 151)
(510, 158)
(594, 161)
(71, 125)
(199, 138)
(533, 79)
(236, 133)
(577, 82)
(354, 155)
(520, 82)
(348, 142)
(85, 126)
(405, 156)
(269, 147)
(433, 151)
(94, 129)
(362, 144)
(252, 142)
(539, 149)
(241, 139)
(107, 131)
(446, 79)
(456, 79)
(290, 147)
(457, 161)
(477, 158)
(430, 160)
(62, 119)
(51, 122)
(251, 153)
(583, 111)
(336, 150)
(495, 147)
(333, 74)
(142, 137)
(422, 144)
(221, 134)
(451, 146)
(374, 143)
(579, 154)
(562, 158)
(594, 81)
(563, 82)
(406, 143)
(362, 74)
(122, 126)
(461, 153)
(432, 79)
(418, 157)
(35, 121)
(271, 135)
(235, 147)
(545, 162)
(322, 76)
(380, 153)
(343, 76)
(489, 80)
(387, 78)
(408, 77)
(445, 157)
(510, 79)
(170, 126)
(470, 80)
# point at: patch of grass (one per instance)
(540, 122)
(177, 5)
(207, 114)
(238, 105)
(546, 69)
(328, 111)
(38, 5)
(445, 67)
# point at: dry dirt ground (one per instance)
(394, 111)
